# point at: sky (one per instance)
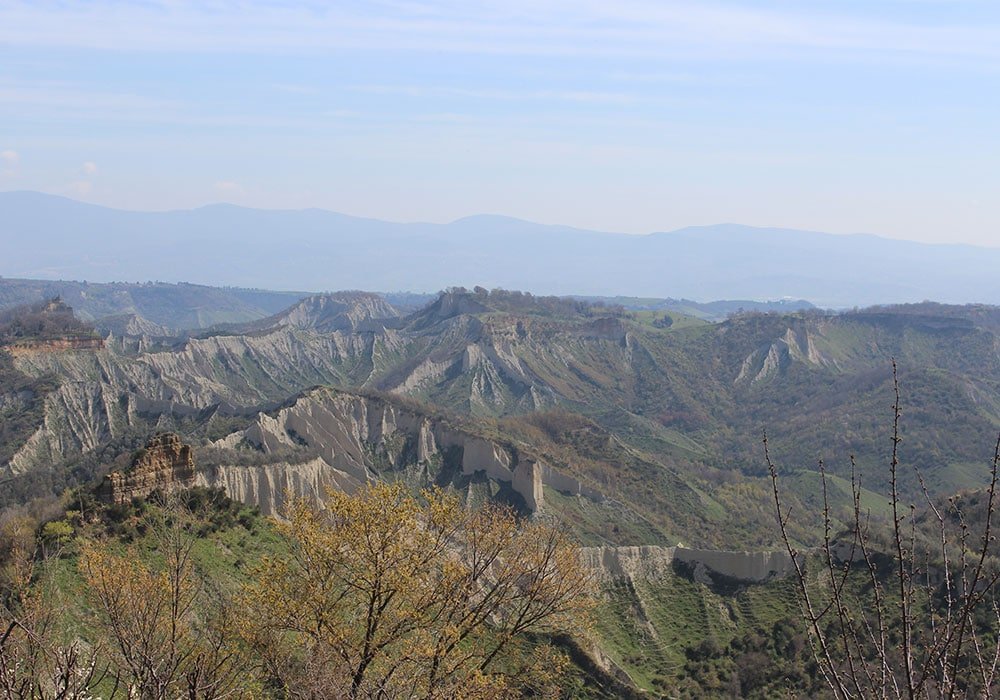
(877, 116)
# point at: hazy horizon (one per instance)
(634, 117)
(58, 238)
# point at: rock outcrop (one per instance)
(652, 562)
(742, 566)
(32, 347)
(165, 464)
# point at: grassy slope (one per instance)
(231, 542)
(655, 629)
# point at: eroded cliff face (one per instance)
(21, 348)
(501, 364)
(268, 486)
(77, 418)
(106, 392)
(357, 438)
(362, 438)
(166, 464)
(797, 345)
(649, 563)
(755, 567)
(610, 564)
(132, 326)
(491, 366)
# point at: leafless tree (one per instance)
(36, 661)
(165, 635)
(909, 615)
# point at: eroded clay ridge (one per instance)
(351, 439)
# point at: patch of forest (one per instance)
(46, 320)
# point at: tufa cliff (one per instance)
(32, 346)
(652, 562)
(165, 464)
(346, 439)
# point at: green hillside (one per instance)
(669, 635)
(636, 432)
(666, 420)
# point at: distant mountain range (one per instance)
(49, 237)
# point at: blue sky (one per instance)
(625, 115)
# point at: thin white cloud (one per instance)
(84, 184)
(622, 27)
(10, 161)
(296, 89)
(63, 95)
(45, 99)
(228, 189)
(506, 95)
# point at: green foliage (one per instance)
(56, 532)
(517, 302)
(757, 663)
(112, 596)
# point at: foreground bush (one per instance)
(385, 595)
